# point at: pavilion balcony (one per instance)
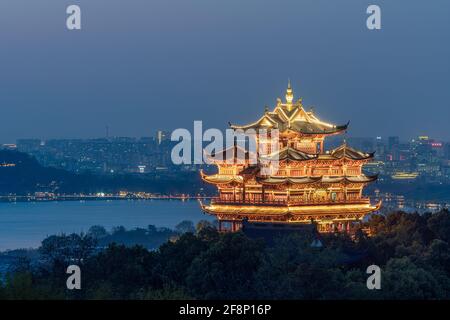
(284, 202)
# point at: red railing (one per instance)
(218, 200)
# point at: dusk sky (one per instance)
(143, 65)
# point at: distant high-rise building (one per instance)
(447, 151)
(404, 152)
(393, 148)
(380, 148)
(393, 142)
(161, 136)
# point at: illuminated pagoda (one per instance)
(310, 185)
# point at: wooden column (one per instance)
(288, 194)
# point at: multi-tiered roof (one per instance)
(309, 184)
(292, 117)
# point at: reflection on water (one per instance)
(25, 224)
(399, 202)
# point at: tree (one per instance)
(97, 232)
(410, 249)
(226, 269)
(121, 272)
(403, 279)
(185, 226)
(167, 293)
(118, 230)
(438, 255)
(292, 269)
(21, 286)
(175, 258)
(204, 224)
(439, 224)
(67, 248)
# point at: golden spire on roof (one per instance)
(289, 93)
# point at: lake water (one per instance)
(26, 224)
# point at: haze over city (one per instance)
(263, 152)
(146, 66)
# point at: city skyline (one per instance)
(424, 155)
(154, 135)
(194, 64)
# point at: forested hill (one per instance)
(411, 250)
(21, 174)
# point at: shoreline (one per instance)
(13, 199)
(406, 205)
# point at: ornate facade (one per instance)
(311, 184)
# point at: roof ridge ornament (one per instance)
(279, 102)
(293, 118)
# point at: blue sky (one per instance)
(143, 65)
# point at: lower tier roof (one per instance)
(274, 180)
(276, 210)
(312, 179)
